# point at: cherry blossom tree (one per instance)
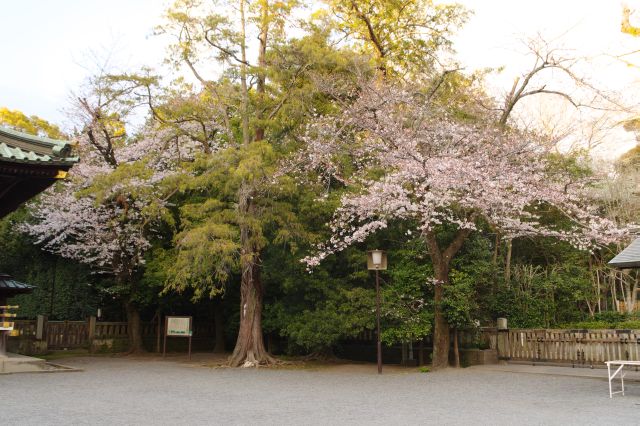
(104, 215)
(402, 159)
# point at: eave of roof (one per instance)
(18, 147)
(629, 257)
(8, 284)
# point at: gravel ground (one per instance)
(138, 391)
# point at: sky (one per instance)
(49, 47)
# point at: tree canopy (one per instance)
(259, 179)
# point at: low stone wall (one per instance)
(107, 345)
(27, 345)
(469, 357)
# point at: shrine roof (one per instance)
(18, 147)
(629, 257)
(9, 285)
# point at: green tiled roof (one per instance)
(20, 147)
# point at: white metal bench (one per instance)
(620, 369)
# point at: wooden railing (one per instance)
(67, 334)
(110, 330)
(572, 346)
(52, 335)
(25, 328)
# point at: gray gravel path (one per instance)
(151, 392)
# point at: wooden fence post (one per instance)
(91, 332)
(502, 343)
(40, 327)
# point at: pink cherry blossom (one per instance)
(434, 168)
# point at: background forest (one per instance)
(208, 192)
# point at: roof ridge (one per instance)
(23, 147)
(33, 138)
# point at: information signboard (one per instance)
(177, 327)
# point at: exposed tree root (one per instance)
(251, 360)
(325, 355)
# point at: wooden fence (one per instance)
(26, 328)
(66, 334)
(77, 334)
(74, 334)
(576, 347)
(586, 347)
(569, 346)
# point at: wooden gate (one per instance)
(67, 334)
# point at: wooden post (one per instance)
(159, 331)
(3, 343)
(164, 346)
(379, 342)
(91, 331)
(502, 342)
(40, 327)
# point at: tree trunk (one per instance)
(599, 291)
(441, 260)
(507, 264)
(494, 262)
(456, 351)
(219, 327)
(614, 290)
(249, 350)
(243, 77)
(262, 65)
(441, 342)
(134, 329)
(634, 293)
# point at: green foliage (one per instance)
(401, 36)
(607, 320)
(334, 320)
(629, 324)
(595, 325)
(458, 302)
(406, 309)
(610, 317)
(209, 241)
(550, 285)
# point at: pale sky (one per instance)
(46, 46)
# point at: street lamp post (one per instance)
(377, 260)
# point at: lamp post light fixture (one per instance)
(377, 261)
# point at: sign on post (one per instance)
(177, 327)
(6, 327)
